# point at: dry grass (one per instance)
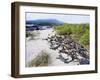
(41, 60)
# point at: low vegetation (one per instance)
(32, 34)
(41, 60)
(80, 32)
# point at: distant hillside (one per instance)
(44, 22)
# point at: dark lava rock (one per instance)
(84, 61)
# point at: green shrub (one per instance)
(63, 29)
(79, 32)
(84, 40)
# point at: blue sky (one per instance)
(68, 18)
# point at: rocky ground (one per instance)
(62, 50)
(68, 47)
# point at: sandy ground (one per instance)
(34, 47)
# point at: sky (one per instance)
(66, 18)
